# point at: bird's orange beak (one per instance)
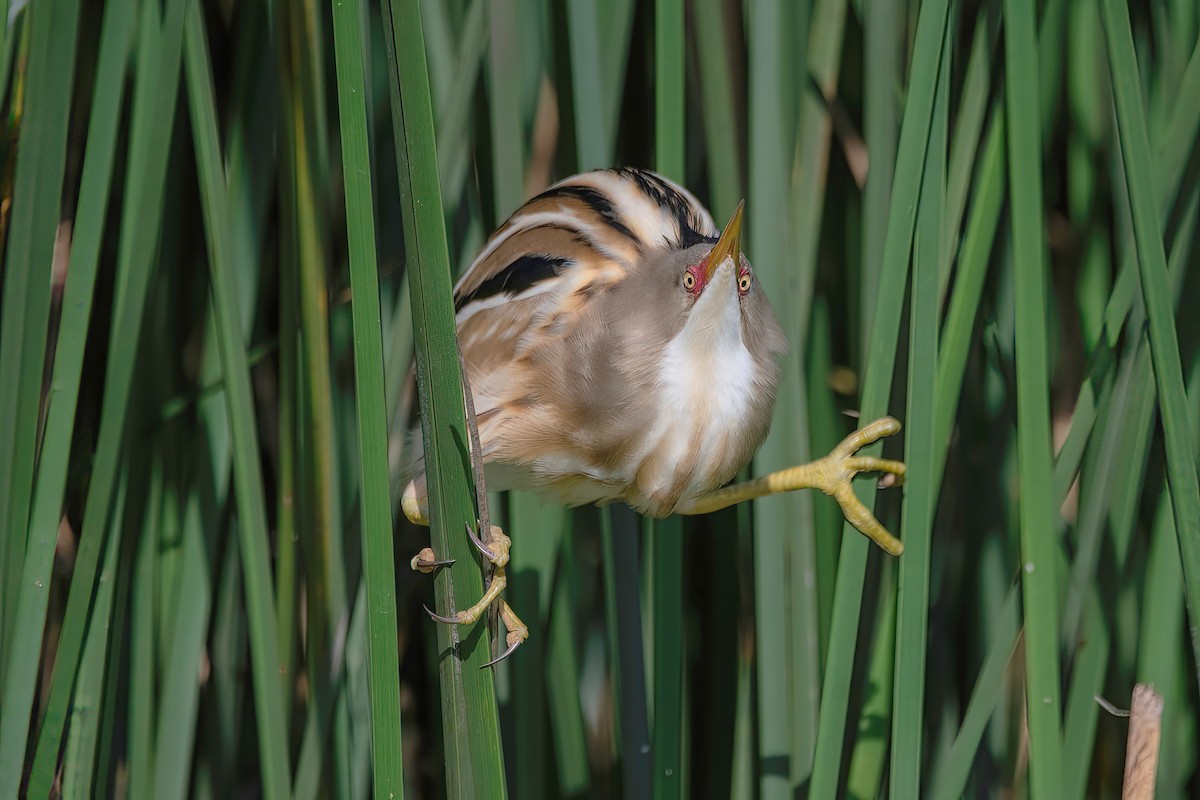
(729, 245)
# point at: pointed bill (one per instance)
(730, 243)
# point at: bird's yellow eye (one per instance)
(689, 280)
(744, 282)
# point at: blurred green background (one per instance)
(228, 226)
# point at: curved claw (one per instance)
(425, 561)
(512, 648)
(436, 617)
(479, 545)
(423, 565)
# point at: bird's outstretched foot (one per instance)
(832, 475)
(495, 550)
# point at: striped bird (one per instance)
(618, 347)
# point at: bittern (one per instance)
(619, 348)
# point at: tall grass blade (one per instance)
(508, 180)
(869, 758)
(378, 556)
(716, 71)
(881, 127)
(593, 145)
(176, 729)
(810, 73)
(154, 100)
(770, 159)
(921, 492)
(469, 715)
(36, 200)
(82, 751)
(964, 144)
(1152, 269)
(949, 780)
(1039, 588)
(666, 536)
(977, 244)
(141, 514)
(914, 129)
(116, 36)
(247, 475)
(619, 536)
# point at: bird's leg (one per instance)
(832, 475)
(494, 545)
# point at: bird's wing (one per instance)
(551, 256)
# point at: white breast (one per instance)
(708, 378)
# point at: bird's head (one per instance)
(724, 257)
(708, 292)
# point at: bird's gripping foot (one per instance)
(495, 550)
(832, 475)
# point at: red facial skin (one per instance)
(699, 273)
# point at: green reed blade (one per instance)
(508, 179)
(666, 536)
(920, 440)
(378, 556)
(1152, 269)
(914, 130)
(454, 105)
(811, 69)
(1161, 659)
(1178, 140)
(9, 37)
(142, 641)
(176, 727)
(718, 100)
(471, 729)
(950, 780)
(780, 519)
(622, 597)
(82, 749)
(964, 144)
(1039, 588)
(531, 578)
(977, 245)
(154, 100)
(563, 668)
(321, 539)
(33, 229)
(870, 754)
(669, 89)
(881, 127)
(247, 475)
(1082, 710)
(592, 42)
(116, 36)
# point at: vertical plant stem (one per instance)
(914, 130)
(881, 65)
(666, 536)
(474, 764)
(1038, 581)
(51, 479)
(378, 557)
(36, 200)
(154, 100)
(920, 503)
(247, 471)
(771, 146)
(1152, 270)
